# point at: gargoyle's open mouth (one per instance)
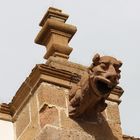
(103, 87)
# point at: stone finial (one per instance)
(55, 34)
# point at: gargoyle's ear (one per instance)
(96, 59)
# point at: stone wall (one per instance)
(45, 117)
(27, 124)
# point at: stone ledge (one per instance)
(41, 73)
(116, 94)
(54, 75)
(55, 14)
(125, 137)
(5, 112)
(5, 117)
(5, 108)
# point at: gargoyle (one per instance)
(92, 90)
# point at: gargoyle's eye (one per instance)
(104, 66)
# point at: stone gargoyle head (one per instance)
(92, 90)
(104, 74)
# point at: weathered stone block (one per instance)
(34, 115)
(117, 131)
(49, 115)
(51, 94)
(100, 129)
(30, 133)
(34, 110)
(6, 117)
(23, 121)
(69, 123)
(50, 133)
(113, 113)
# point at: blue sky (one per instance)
(108, 27)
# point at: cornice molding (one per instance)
(116, 94)
(45, 73)
(125, 137)
(40, 73)
(5, 112)
(4, 108)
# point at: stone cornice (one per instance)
(40, 73)
(4, 108)
(125, 137)
(46, 73)
(116, 94)
(5, 112)
(58, 73)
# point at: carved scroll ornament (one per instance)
(92, 90)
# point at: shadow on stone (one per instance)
(98, 128)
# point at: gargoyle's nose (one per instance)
(112, 74)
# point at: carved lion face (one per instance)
(104, 74)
